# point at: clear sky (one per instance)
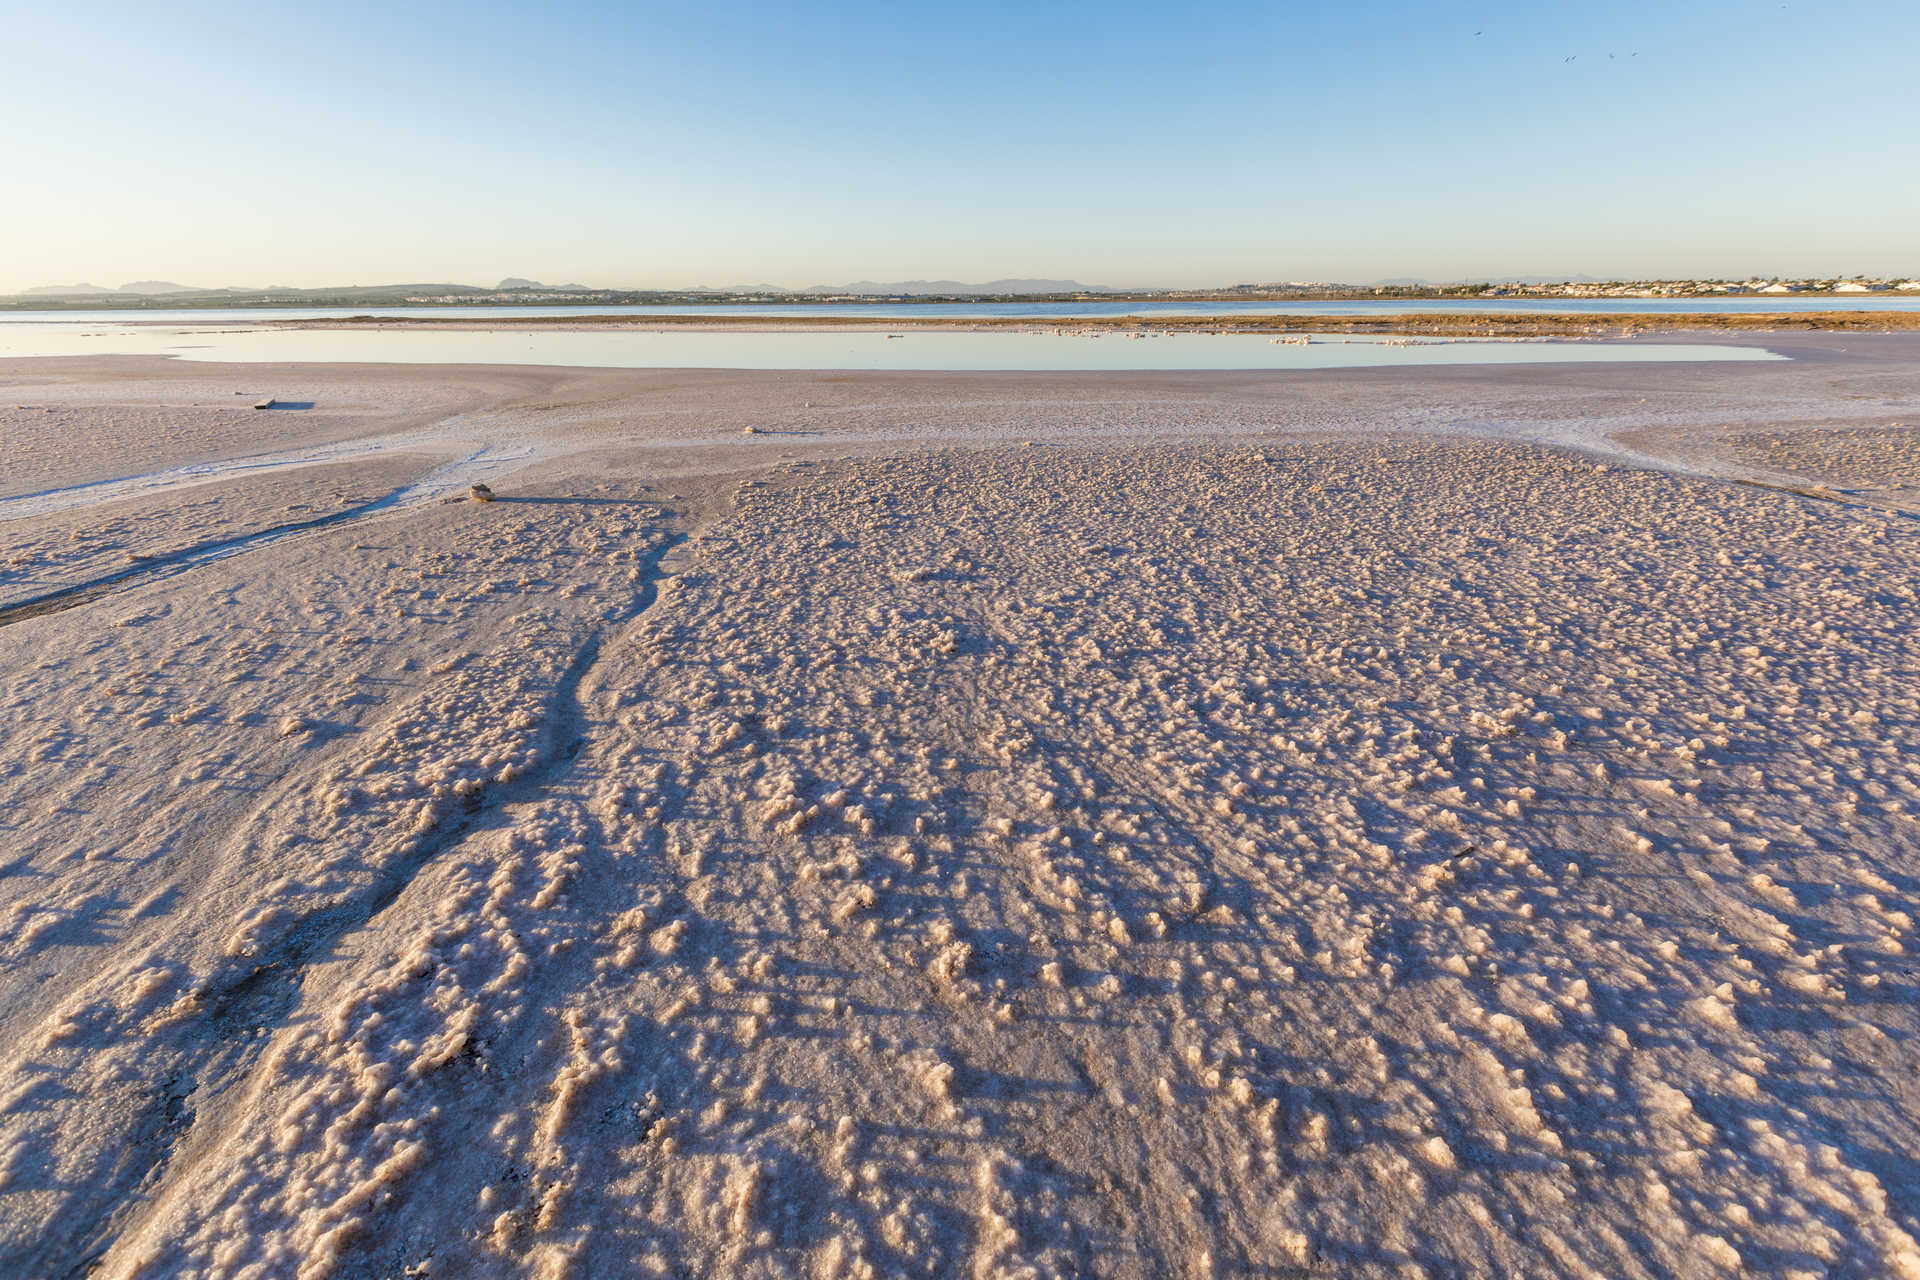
(1117, 142)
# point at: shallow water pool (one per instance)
(939, 350)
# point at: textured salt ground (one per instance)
(171, 725)
(71, 421)
(1296, 855)
(51, 553)
(77, 421)
(1877, 464)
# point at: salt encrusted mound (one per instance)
(1373, 859)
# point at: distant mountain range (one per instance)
(67, 291)
(916, 288)
(140, 292)
(138, 289)
(1543, 279)
(1420, 282)
(912, 287)
(520, 284)
(515, 284)
(167, 288)
(158, 287)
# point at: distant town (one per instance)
(1698, 288)
(163, 295)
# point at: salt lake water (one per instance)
(863, 349)
(1742, 305)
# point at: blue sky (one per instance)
(1116, 143)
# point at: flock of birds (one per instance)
(1576, 57)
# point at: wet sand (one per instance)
(1369, 823)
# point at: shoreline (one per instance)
(1458, 324)
(473, 410)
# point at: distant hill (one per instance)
(180, 293)
(158, 288)
(65, 291)
(1416, 282)
(138, 289)
(162, 286)
(1544, 279)
(394, 290)
(958, 287)
(514, 283)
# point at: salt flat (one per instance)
(1430, 822)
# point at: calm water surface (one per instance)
(1017, 310)
(864, 349)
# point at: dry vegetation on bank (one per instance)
(1506, 325)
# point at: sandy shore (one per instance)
(1451, 821)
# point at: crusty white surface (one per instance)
(1179, 845)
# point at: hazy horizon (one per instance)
(655, 147)
(85, 288)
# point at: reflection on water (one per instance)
(682, 349)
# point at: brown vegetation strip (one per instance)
(1456, 324)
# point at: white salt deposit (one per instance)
(1179, 847)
